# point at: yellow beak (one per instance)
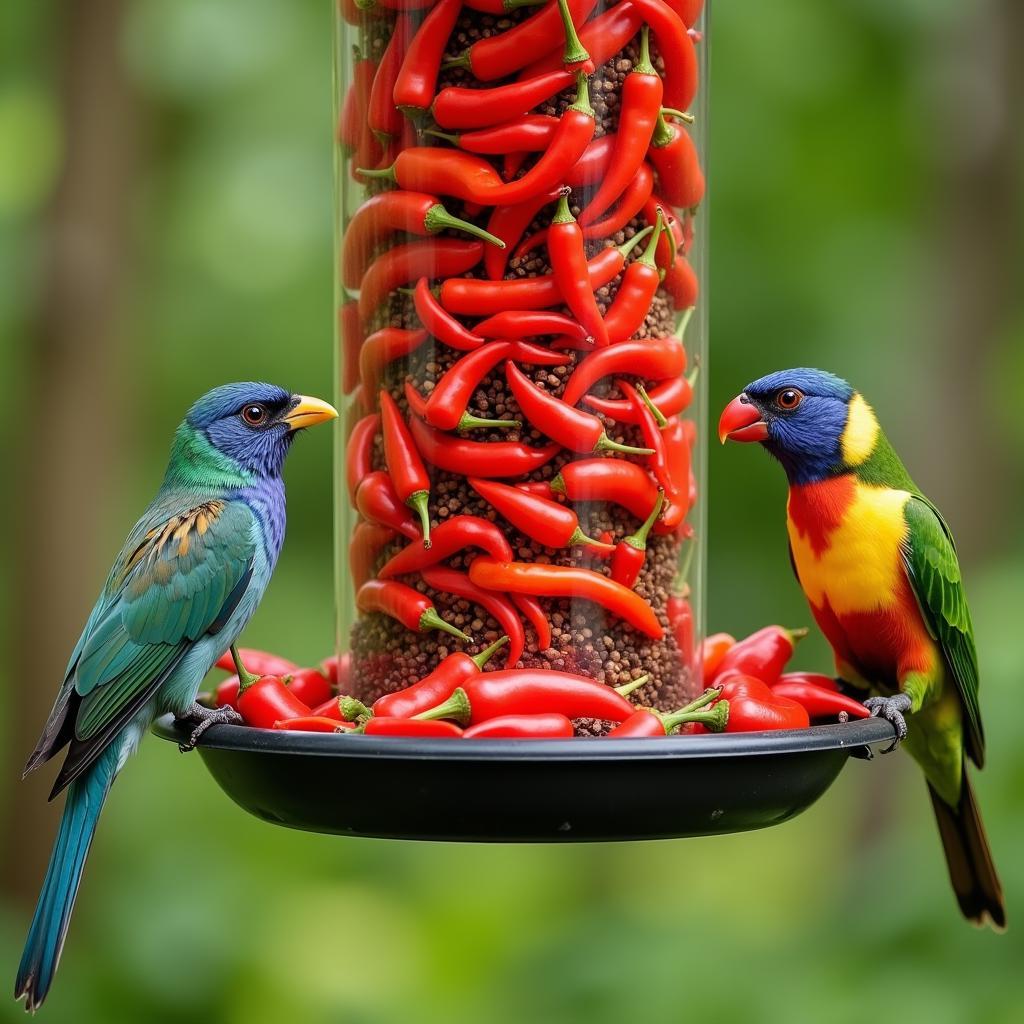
(308, 412)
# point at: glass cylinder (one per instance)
(522, 339)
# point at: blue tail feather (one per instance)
(60, 887)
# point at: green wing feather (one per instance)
(173, 583)
(934, 572)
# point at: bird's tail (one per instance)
(971, 869)
(60, 887)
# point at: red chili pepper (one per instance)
(501, 55)
(521, 727)
(411, 727)
(446, 407)
(648, 722)
(329, 709)
(265, 700)
(650, 358)
(531, 609)
(688, 10)
(572, 428)
(466, 297)
(313, 723)
(593, 165)
(384, 118)
(367, 541)
(355, 128)
(532, 691)
(416, 82)
(261, 663)
(680, 620)
(631, 552)
(681, 283)
(712, 650)
(500, 6)
(508, 221)
(452, 536)
(479, 458)
(632, 303)
(676, 49)
(309, 685)
(631, 202)
(526, 134)
(568, 258)
(379, 216)
(526, 323)
(451, 581)
(672, 238)
(818, 679)
(573, 135)
(350, 120)
(350, 334)
(226, 694)
(603, 37)
(382, 348)
(457, 106)
(359, 453)
(337, 668)
(670, 398)
(453, 671)
(446, 172)
(762, 655)
(819, 702)
(658, 461)
(377, 502)
(541, 519)
(624, 483)
(440, 257)
(753, 707)
(677, 462)
(640, 108)
(408, 474)
(676, 160)
(414, 610)
(566, 581)
(439, 322)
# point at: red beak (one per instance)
(741, 421)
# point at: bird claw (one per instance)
(205, 717)
(892, 709)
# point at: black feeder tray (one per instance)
(572, 790)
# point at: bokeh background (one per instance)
(165, 225)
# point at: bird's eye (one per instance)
(254, 414)
(789, 398)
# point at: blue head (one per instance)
(253, 424)
(813, 422)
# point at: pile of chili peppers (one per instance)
(464, 172)
(747, 690)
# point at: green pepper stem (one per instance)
(563, 215)
(513, 5)
(487, 653)
(245, 678)
(644, 66)
(659, 416)
(684, 322)
(438, 219)
(469, 422)
(557, 484)
(638, 540)
(606, 444)
(438, 134)
(582, 102)
(384, 172)
(627, 246)
(627, 688)
(353, 710)
(578, 537)
(431, 620)
(647, 257)
(455, 707)
(663, 134)
(462, 61)
(575, 52)
(681, 114)
(419, 501)
(716, 719)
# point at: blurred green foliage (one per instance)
(865, 187)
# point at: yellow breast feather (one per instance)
(859, 569)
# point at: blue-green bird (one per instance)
(878, 566)
(188, 579)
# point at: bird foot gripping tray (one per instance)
(521, 257)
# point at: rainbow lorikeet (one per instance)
(878, 566)
(188, 579)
